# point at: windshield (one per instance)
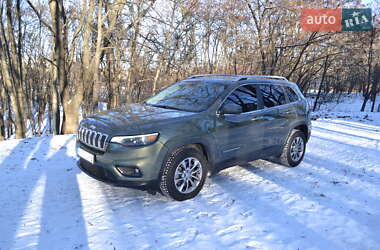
(193, 96)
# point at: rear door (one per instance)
(275, 102)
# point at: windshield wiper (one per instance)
(166, 107)
(163, 106)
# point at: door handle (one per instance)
(285, 112)
(257, 118)
(261, 118)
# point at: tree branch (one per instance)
(39, 16)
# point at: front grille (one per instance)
(93, 138)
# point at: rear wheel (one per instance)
(183, 173)
(294, 149)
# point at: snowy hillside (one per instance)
(331, 201)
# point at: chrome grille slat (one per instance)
(79, 133)
(87, 136)
(83, 131)
(93, 138)
(82, 134)
(97, 140)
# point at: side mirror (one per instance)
(219, 114)
(230, 108)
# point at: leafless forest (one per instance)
(60, 58)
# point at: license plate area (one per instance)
(86, 155)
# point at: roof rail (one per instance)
(210, 75)
(240, 77)
(247, 77)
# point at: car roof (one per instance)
(238, 77)
(241, 79)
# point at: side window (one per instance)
(273, 95)
(243, 99)
(293, 97)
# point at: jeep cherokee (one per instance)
(196, 126)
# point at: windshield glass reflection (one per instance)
(193, 96)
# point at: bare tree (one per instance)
(11, 63)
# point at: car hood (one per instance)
(130, 118)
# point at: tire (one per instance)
(296, 142)
(174, 169)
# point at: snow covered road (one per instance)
(331, 201)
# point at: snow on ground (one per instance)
(345, 105)
(330, 201)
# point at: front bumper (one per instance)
(103, 174)
(147, 159)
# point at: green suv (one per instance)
(196, 126)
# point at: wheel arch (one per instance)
(200, 143)
(303, 128)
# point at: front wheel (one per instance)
(294, 149)
(183, 173)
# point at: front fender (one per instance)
(204, 141)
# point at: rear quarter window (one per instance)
(292, 95)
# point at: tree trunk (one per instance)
(373, 103)
(321, 84)
(59, 59)
(132, 67)
(54, 109)
(2, 127)
(376, 81)
(366, 98)
(368, 90)
(72, 107)
(11, 66)
(2, 113)
(96, 59)
(156, 77)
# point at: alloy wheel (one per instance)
(188, 175)
(296, 149)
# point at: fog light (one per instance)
(129, 171)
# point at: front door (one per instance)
(240, 127)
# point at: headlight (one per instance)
(136, 140)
